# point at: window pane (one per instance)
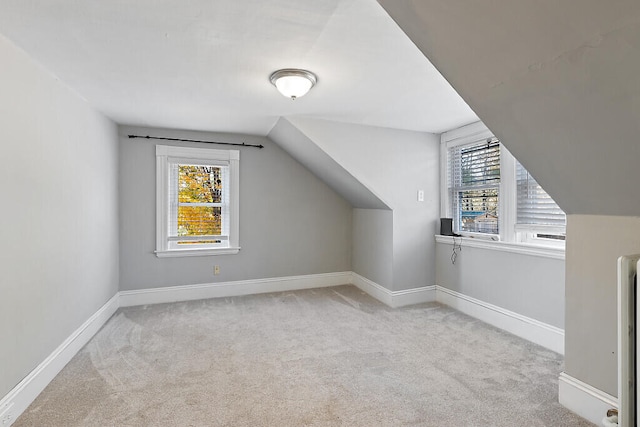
(478, 164)
(535, 206)
(479, 210)
(199, 221)
(474, 180)
(199, 184)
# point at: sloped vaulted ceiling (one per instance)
(557, 81)
(205, 64)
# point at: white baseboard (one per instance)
(413, 296)
(21, 396)
(530, 329)
(378, 292)
(587, 401)
(394, 298)
(229, 289)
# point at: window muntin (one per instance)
(474, 186)
(197, 192)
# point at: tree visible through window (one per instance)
(199, 202)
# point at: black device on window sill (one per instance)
(446, 226)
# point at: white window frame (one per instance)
(167, 155)
(509, 235)
(461, 186)
(475, 132)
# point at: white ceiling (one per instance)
(205, 64)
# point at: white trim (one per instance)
(196, 252)
(162, 192)
(466, 134)
(197, 153)
(627, 315)
(168, 154)
(229, 289)
(394, 299)
(23, 394)
(585, 400)
(533, 330)
(445, 206)
(516, 248)
(370, 287)
(413, 296)
(508, 201)
(540, 228)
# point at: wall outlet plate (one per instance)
(7, 416)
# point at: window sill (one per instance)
(516, 248)
(196, 252)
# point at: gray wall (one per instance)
(563, 100)
(372, 255)
(529, 285)
(291, 223)
(394, 164)
(595, 244)
(307, 152)
(59, 254)
(565, 103)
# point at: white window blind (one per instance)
(536, 209)
(474, 186)
(485, 190)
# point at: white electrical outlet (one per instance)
(6, 415)
(421, 195)
(216, 270)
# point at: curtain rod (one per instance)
(239, 144)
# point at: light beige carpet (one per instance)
(324, 357)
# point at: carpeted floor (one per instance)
(322, 357)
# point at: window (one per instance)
(474, 174)
(490, 195)
(538, 216)
(197, 201)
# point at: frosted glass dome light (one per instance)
(293, 83)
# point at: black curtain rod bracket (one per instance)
(237, 144)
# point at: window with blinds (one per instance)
(491, 196)
(536, 210)
(474, 186)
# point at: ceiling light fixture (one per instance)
(292, 82)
